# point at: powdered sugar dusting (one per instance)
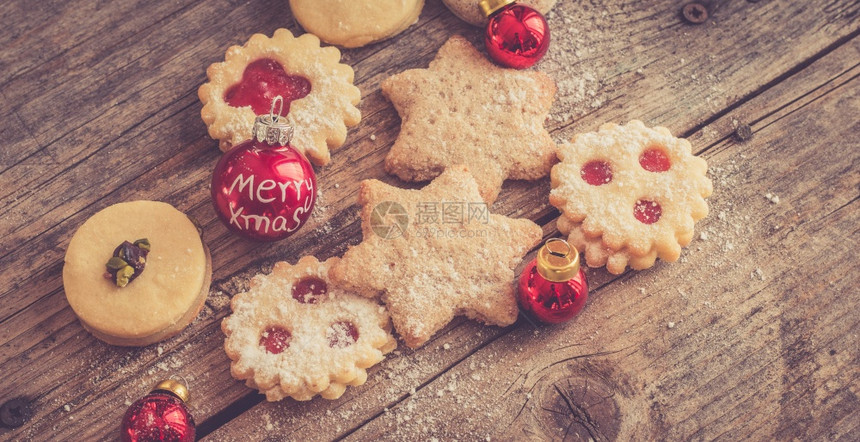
(319, 119)
(603, 219)
(309, 364)
(570, 61)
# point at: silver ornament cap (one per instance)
(273, 129)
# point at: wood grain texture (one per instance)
(100, 107)
(619, 371)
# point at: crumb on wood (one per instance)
(772, 197)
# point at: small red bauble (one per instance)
(159, 416)
(553, 287)
(517, 36)
(264, 189)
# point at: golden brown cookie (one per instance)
(159, 302)
(319, 97)
(464, 109)
(296, 334)
(355, 23)
(435, 253)
(631, 191)
(470, 11)
(598, 255)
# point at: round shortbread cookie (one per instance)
(470, 11)
(295, 334)
(163, 299)
(319, 118)
(355, 23)
(638, 190)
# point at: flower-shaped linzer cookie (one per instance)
(598, 255)
(319, 97)
(638, 190)
(294, 334)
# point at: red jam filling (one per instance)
(263, 80)
(655, 160)
(309, 290)
(647, 212)
(342, 334)
(596, 172)
(275, 339)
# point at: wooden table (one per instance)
(752, 334)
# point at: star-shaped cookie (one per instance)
(435, 253)
(464, 109)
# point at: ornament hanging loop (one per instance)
(489, 7)
(556, 252)
(557, 260)
(273, 129)
(279, 102)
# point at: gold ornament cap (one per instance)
(273, 128)
(558, 261)
(175, 387)
(489, 7)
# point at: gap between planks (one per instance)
(808, 97)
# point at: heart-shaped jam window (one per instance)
(342, 334)
(262, 81)
(647, 211)
(309, 290)
(275, 339)
(596, 172)
(655, 160)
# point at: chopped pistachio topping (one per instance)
(143, 243)
(127, 262)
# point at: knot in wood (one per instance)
(580, 408)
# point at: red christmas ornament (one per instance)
(264, 189)
(553, 288)
(159, 416)
(517, 35)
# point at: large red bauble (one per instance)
(158, 416)
(551, 302)
(517, 36)
(262, 191)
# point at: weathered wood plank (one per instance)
(153, 134)
(617, 313)
(757, 339)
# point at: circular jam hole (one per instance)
(309, 290)
(655, 160)
(596, 172)
(262, 81)
(647, 211)
(275, 339)
(342, 334)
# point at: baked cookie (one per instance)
(435, 253)
(464, 109)
(470, 10)
(629, 194)
(296, 334)
(164, 293)
(319, 97)
(598, 255)
(355, 23)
